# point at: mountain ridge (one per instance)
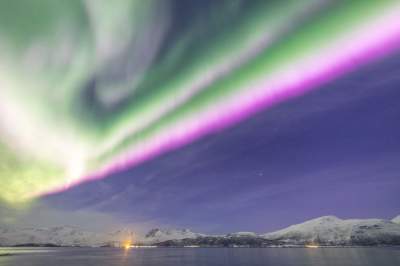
(325, 231)
(61, 236)
(396, 219)
(330, 230)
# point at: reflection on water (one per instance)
(16, 250)
(201, 256)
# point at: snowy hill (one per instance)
(326, 230)
(61, 236)
(242, 234)
(396, 219)
(160, 235)
(330, 230)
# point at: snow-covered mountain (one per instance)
(242, 234)
(396, 219)
(331, 230)
(61, 236)
(326, 230)
(160, 235)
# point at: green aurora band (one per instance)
(90, 87)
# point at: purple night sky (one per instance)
(334, 151)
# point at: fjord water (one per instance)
(201, 256)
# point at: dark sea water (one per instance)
(201, 256)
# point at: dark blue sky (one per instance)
(334, 151)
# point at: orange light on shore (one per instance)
(127, 244)
(312, 246)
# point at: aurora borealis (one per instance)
(87, 90)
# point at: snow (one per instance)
(332, 230)
(242, 234)
(396, 219)
(328, 230)
(62, 235)
(160, 235)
